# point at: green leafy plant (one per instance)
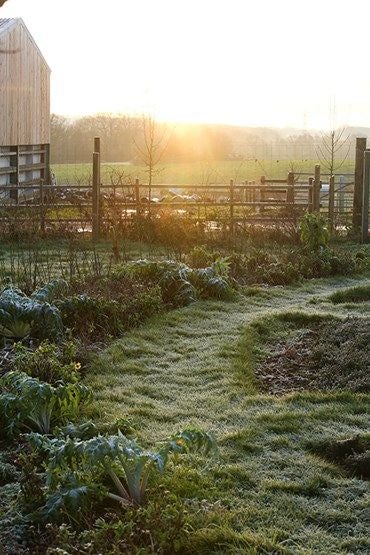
(49, 362)
(200, 257)
(313, 232)
(172, 278)
(181, 285)
(86, 463)
(21, 316)
(159, 526)
(210, 284)
(99, 317)
(51, 291)
(26, 403)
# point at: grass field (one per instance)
(194, 172)
(265, 492)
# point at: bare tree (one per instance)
(334, 149)
(152, 146)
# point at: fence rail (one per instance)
(94, 204)
(134, 199)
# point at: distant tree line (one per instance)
(72, 140)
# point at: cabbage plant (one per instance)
(87, 464)
(181, 285)
(22, 316)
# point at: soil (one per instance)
(331, 356)
(353, 454)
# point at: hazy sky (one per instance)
(260, 62)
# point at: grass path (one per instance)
(270, 493)
(172, 369)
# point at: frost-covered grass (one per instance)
(266, 492)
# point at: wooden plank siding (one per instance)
(24, 89)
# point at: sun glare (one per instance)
(238, 62)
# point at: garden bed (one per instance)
(331, 355)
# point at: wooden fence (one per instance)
(92, 206)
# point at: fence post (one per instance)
(96, 197)
(231, 199)
(316, 190)
(97, 144)
(331, 202)
(137, 196)
(365, 198)
(341, 195)
(42, 213)
(358, 186)
(290, 188)
(258, 196)
(310, 195)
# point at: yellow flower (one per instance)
(77, 365)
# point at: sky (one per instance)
(283, 63)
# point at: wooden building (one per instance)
(24, 111)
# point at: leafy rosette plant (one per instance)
(210, 284)
(22, 316)
(51, 291)
(122, 460)
(181, 285)
(28, 404)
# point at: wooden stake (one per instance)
(331, 202)
(359, 181)
(231, 206)
(42, 212)
(137, 197)
(316, 189)
(365, 198)
(290, 188)
(97, 144)
(96, 197)
(310, 195)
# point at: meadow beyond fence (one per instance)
(99, 199)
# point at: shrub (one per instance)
(200, 257)
(313, 232)
(209, 284)
(342, 263)
(158, 527)
(177, 233)
(48, 362)
(314, 265)
(96, 317)
(280, 273)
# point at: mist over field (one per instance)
(72, 138)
